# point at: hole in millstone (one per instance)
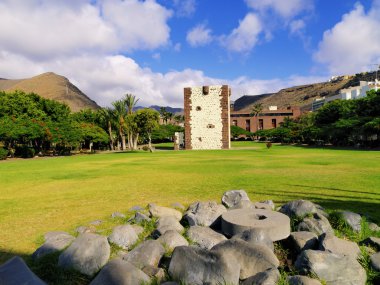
(259, 217)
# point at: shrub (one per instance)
(269, 145)
(3, 154)
(25, 151)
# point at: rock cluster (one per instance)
(228, 243)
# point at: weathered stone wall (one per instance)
(207, 124)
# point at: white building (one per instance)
(355, 92)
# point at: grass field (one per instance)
(40, 195)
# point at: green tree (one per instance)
(147, 121)
(120, 111)
(133, 134)
(107, 119)
(255, 112)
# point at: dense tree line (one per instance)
(340, 123)
(30, 125)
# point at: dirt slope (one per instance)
(51, 86)
(303, 95)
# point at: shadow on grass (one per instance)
(330, 147)
(164, 147)
(335, 189)
(46, 268)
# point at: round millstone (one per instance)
(275, 224)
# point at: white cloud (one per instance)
(135, 20)
(184, 8)
(353, 43)
(106, 79)
(156, 56)
(285, 8)
(200, 35)
(177, 47)
(245, 36)
(297, 26)
(45, 28)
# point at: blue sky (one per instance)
(155, 48)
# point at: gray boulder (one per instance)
(375, 261)
(302, 280)
(353, 220)
(138, 229)
(16, 272)
(117, 215)
(84, 229)
(264, 206)
(87, 254)
(251, 258)
(300, 241)
(123, 236)
(147, 253)
(256, 236)
(204, 236)
(178, 206)
(333, 268)
(54, 241)
(270, 203)
(373, 227)
(268, 277)
(317, 224)
(243, 204)
(172, 239)
(120, 272)
(154, 272)
(372, 241)
(197, 266)
(233, 197)
(96, 222)
(136, 208)
(170, 283)
(300, 208)
(329, 242)
(139, 218)
(168, 223)
(159, 212)
(204, 213)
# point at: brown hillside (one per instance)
(303, 95)
(51, 86)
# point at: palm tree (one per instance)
(163, 114)
(169, 117)
(107, 117)
(130, 102)
(178, 119)
(120, 111)
(255, 111)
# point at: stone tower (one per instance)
(207, 117)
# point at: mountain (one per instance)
(168, 109)
(303, 95)
(51, 86)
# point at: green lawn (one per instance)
(40, 195)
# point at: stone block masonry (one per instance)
(207, 117)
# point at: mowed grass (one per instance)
(41, 195)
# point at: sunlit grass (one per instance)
(40, 195)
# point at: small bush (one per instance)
(3, 154)
(25, 151)
(269, 145)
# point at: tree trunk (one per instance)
(149, 140)
(110, 135)
(123, 144)
(136, 141)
